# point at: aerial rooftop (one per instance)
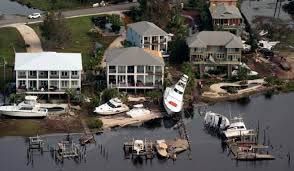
(146, 28)
(214, 38)
(133, 56)
(223, 11)
(48, 61)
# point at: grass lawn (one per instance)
(9, 38)
(81, 41)
(47, 5)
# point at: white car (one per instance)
(34, 16)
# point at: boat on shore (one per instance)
(216, 121)
(138, 111)
(112, 107)
(29, 108)
(173, 96)
(237, 128)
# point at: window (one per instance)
(130, 69)
(33, 73)
(158, 69)
(112, 69)
(74, 83)
(54, 83)
(64, 84)
(21, 74)
(53, 72)
(64, 73)
(121, 69)
(149, 69)
(74, 73)
(149, 80)
(140, 69)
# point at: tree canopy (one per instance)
(55, 30)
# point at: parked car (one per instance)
(34, 16)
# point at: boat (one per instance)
(29, 108)
(112, 107)
(215, 120)
(161, 148)
(138, 146)
(173, 96)
(237, 128)
(138, 111)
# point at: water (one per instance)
(275, 115)
(10, 8)
(252, 8)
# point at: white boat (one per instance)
(237, 128)
(263, 32)
(113, 106)
(26, 109)
(267, 44)
(216, 120)
(173, 96)
(138, 146)
(138, 111)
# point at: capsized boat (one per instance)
(173, 96)
(237, 128)
(113, 106)
(161, 148)
(138, 111)
(216, 120)
(26, 109)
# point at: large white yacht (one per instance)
(113, 106)
(138, 111)
(216, 120)
(237, 128)
(26, 109)
(173, 96)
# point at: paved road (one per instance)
(12, 19)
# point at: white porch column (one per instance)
(144, 74)
(116, 75)
(16, 79)
(27, 79)
(59, 81)
(37, 80)
(80, 80)
(69, 79)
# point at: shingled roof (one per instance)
(214, 38)
(146, 28)
(133, 56)
(223, 11)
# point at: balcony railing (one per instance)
(54, 76)
(74, 76)
(64, 76)
(22, 76)
(32, 76)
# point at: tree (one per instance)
(179, 51)
(154, 95)
(108, 94)
(242, 73)
(116, 22)
(55, 30)
(203, 8)
(187, 68)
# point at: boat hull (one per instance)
(233, 134)
(22, 114)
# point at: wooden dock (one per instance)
(148, 151)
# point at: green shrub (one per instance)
(94, 123)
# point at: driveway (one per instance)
(30, 37)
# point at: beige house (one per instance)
(210, 49)
(134, 68)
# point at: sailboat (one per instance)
(173, 96)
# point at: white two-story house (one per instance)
(147, 35)
(134, 68)
(48, 72)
